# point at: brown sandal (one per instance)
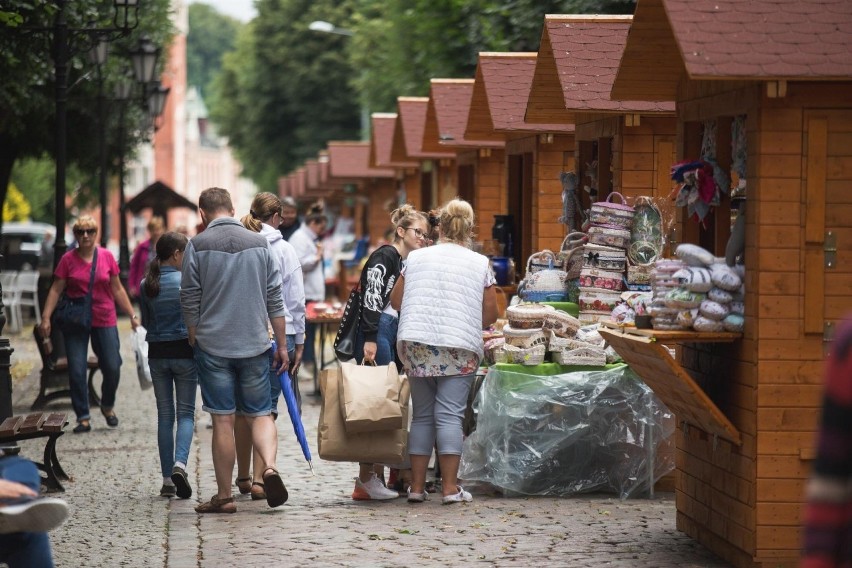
(244, 485)
(258, 494)
(276, 492)
(217, 505)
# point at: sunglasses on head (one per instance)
(85, 231)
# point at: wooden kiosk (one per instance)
(749, 415)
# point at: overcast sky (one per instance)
(241, 9)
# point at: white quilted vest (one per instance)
(442, 304)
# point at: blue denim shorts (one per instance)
(231, 386)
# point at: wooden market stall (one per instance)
(624, 146)
(750, 415)
(421, 187)
(479, 175)
(535, 153)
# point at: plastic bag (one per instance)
(570, 433)
(140, 349)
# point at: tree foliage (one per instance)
(16, 207)
(211, 35)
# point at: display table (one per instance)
(328, 322)
(560, 430)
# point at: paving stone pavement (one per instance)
(118, 518)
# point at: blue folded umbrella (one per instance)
(295, 417)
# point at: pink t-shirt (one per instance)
(75, 271)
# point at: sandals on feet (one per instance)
(217, 505)
(276, 493)
(244, 485)
(258, 494)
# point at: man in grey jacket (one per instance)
(230, 285)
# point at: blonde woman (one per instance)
(72, 276)
(446, 296)
(376, 340)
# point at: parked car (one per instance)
(28, 246)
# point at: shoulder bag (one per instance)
(347, 333)
(74, 315)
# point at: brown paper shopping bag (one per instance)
(336, 444)
(371, 397)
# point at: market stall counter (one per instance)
(559, 430)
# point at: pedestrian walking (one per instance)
(828, 513)
(376, 338)
(309, 250)
(445, 296)
(263, 218)
(230, 287)
(144, 254)
(290, 221)
(172, 362)
(90, 268)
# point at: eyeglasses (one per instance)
(85, 231)
(417, 232)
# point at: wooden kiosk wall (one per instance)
(487, 194)
(744, 502)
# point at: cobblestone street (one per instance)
(119, 519)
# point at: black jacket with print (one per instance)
(377, 280)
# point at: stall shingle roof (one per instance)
(351, 160)
(408, 134)
(381, 137)
(446, 116)
(761, 40)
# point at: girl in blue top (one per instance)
(171, 360)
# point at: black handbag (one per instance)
(347, 333)
(74, 315)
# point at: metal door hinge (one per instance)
(829, 247)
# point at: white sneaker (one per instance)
(461, 497)
(373, 490)
(38, 515)
(417, 497)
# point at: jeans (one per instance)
(385, 341)
(23, 549)
(106, 346)
(231, 386)
(275, 384)
(175, 384)
(439, 404)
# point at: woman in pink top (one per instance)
(72, 277)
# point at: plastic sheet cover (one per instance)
(563, 434)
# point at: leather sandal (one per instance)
(258, 494)
(217, 505)
(244, 485)
(276, 492)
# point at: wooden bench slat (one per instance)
(32, 423)
(10, 426)
(55, 422)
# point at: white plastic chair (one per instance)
(27, 285)
(11, 299)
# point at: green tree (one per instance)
(211, 35)
(27, 90)
(16, 207)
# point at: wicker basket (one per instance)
(542, 282)
(604, 258)
(531, 356)
(594, 278)
(611, 213)
(524, 338)
(561, 323)
(586, 355)
(571, 254)
(609, 235)
(639, 275)
(527, 316)
(556, 343)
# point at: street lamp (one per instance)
(98, 56)
(329, 28)
(123, 94)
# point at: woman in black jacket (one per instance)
(377, 329)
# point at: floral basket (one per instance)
(561, 323)
(527, 316)
(604, 258)
(609, 235)
(594, 278)
(543, 283)
(610, 213)
(598, 300)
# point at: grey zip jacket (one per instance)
(230, 285)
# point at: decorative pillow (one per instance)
(724, 277)
(694, 255)
(734, 322)
(694, 279)
(721, 296)
(686, 318)
(704, 324)
(740, 270)
(683, 298)
(713, 310)
(737, 307)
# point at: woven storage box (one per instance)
(531, 356)
(639, 274)
(524, 338)
(597, 300)
(561, 323)
(609, 235)
(527, 316)
(581, 356)
(594, 278)
(604, 258)
(611, 213)
(556, 343)
(588, 317)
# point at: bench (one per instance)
(39, 425)
(54, 372)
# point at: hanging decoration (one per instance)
(702, 181)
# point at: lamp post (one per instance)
(329, 28)
(98, 56)
(66, 42)
(123, 93)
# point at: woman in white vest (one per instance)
(445, 297)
